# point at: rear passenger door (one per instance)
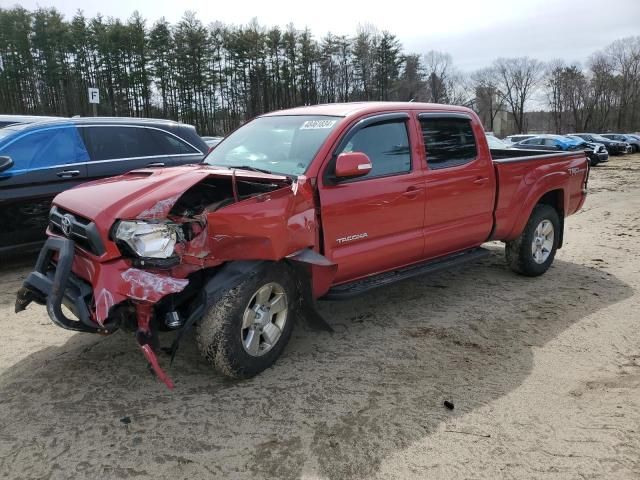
(550, 144)
(116, 149)
(460, 185)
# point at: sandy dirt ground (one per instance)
(544, 374)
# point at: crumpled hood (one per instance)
(146, 193)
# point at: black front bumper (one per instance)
(53, 284)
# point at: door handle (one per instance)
(155, 164)
(412, 192)
(481, 180)
(68, 173)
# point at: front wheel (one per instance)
(247, 329)
(532, 253)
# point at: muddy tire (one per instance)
(532, 253)
(247, 330)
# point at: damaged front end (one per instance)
(160, 247)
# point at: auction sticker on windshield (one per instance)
(317, 124)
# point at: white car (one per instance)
(518, 138)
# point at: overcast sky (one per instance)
(474, 32)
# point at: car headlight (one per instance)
(148, 240)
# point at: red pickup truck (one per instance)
(315, 202)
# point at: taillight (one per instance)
(586, 178)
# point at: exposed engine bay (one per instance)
(213, 193)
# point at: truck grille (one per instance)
(79, 229)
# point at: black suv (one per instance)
(41, 159)
(620, 137)
(613, 147)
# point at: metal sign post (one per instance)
(94, 99)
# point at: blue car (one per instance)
(551, 142)
(559, 143)
(41, 159)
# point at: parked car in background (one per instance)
(517, 138)
(42, 159)
(632, 140)
(212, 141)
(599, 150)
(495, 143)
(6, 120)
(614, 147)
(558, 143)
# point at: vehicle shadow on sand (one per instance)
(334, 406)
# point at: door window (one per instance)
(163, 143)
(47, 148)
(448, 141)
(114, 142)
(386, 145)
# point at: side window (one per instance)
(110, 143)
(23, 150)
(64, 147)
(47, 148)
(549, 142)
(163, 143)
(386, 145)
(449, 142)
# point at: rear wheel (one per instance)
(532, 253)
(247, 330)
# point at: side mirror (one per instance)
(5, 163)
(352, 164)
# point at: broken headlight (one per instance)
(149, 240)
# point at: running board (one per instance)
(352, 289)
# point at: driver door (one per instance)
(374, 223)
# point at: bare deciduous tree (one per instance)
(217, 76)
(488, 100)
(516, 80)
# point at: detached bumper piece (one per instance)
(147, 342)
(54, 285)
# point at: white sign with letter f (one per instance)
(94, 95)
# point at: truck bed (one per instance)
(523, 177)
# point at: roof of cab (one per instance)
(358, 108)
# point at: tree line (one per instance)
(217, 76)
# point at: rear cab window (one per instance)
(449, 140)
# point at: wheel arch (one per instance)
(554, 197)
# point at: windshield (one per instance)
(600, 138)
(283, 144)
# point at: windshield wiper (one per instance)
(251, 169)
(291, 177)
